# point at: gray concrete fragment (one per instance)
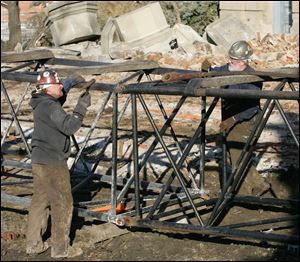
(72, 21)
(225, 31)
(145, 29)
(186, 36)
(90, 235)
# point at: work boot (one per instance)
(37, 249)
(72, 251)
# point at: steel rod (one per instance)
(102, 178)
(202, 147)
(10, 106)
(173, 134)
(280, 109)
(81, 157)
(190, 172)
(93, 126)
(217, 231)
(246, 154)
(175, 168)
(135, 156)
(224, 160)
(114, 168)
(185, 153)
(108, 139)
(263, 222)
(153, 145)
(17, 111)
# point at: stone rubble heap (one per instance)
(270, 52)
(273, 51)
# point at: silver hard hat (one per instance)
(240, 50)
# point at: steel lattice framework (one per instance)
(159, 205)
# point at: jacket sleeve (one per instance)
(65, 123)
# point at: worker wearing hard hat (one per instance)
(240, 115)
(50, 151)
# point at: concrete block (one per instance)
(90, 235)
(141, 22)
(186, 36)
(109, 35)
(145, 29)
(72, 21)
(158, 42)
(258, 21)
(235, 30)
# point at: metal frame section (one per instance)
(175, 196)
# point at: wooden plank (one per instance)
(73, 62)
(13, 57)
(109, 68)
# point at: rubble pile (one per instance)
(273, 51)
(141, 35)
(144, 34)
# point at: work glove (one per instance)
(83, 103)
(84, 99)
(72, 81)
(227, 124)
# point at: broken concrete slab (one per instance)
(89, 50)
(123, 51)
(145, 28)
(225, 31)
(90, 235)
(109, 35)
(186, 36)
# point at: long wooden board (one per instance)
(14, 57)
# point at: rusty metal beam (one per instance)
(215, 231)
(292, 73)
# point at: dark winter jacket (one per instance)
(241, 109)
(52, 129)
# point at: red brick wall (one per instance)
(25, 11)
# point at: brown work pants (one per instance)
(236, 140)
(52, 189)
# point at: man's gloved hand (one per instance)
(227, 124)
(72, 81)
(85, 99)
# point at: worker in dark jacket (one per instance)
(50, 151)
(240, 115)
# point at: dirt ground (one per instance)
(152, 246)
(142, 245)
(130, 244)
